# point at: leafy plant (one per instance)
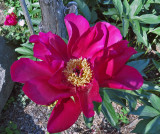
(10, 129)
(10, 100)
(122, 116)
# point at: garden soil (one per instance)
(31, 118)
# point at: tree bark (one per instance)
(52, 17)
(26, 15)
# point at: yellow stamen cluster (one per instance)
(53, 104)
(83, 66)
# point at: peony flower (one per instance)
(21, 22)
(11, 10)
(11, 19)
(72, 74)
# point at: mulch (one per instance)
(32, 118)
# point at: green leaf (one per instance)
(126, 7)
(140, 127)
(94, 16)
(125, 23)
(17, 132)
(36, 21)
(118, 5)
(105, 2)
(36, 4)
(35, 11)
(156, 31)
(111, 11)
(8, 130)
(84, 9)
(150, 86)
(155, 101)
(153, 127)
(146, 111)
(30, 57)
(130, 96)
(141, 36)
(108, 110)
(148, 19)
(140, 65)
(24, 50)
(136, 55)
(88, 121)
(97, 107)
(116, 98)
(27, 45)
(157, 64)
(135, 7)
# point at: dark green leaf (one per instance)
(157, 64)
(156, 31)
(36, 21)
(137, 30)
(136, 55)
(36, 4)
(111, 11)
(97, 107)
(155, 101)
(24, 50)
(17, 132)
(135, 7)
(140, 127)
(28, 45)
(148, 18)
(126, 7)
(125, 23)
(84, 9)
(35, 11)
(118, 5)
(140, 65)
(88, 121)
(105, 2)
(127, 95)
(153, 127)
(150, 86)
(94, 16)
(108, 110)
(116, 98)
(146, 111)
(30, 57)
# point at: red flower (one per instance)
(11, 19)
(94, 57)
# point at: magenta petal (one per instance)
(111, 63)
(119, 54)
(91, 42)
(114, 34)
(128, 78)
(87, 96)
(40, 51)
(59, 47)
(64, 115)
(76, 26)
(58, 80)
(34, 38)
(26, 69)
(76, 21)
(41, 92)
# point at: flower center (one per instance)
(78, 72)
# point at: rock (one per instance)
(7, 57)
(2, 18)
(134, 123)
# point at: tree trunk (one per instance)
(52, 17)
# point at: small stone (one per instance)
(35, 121)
